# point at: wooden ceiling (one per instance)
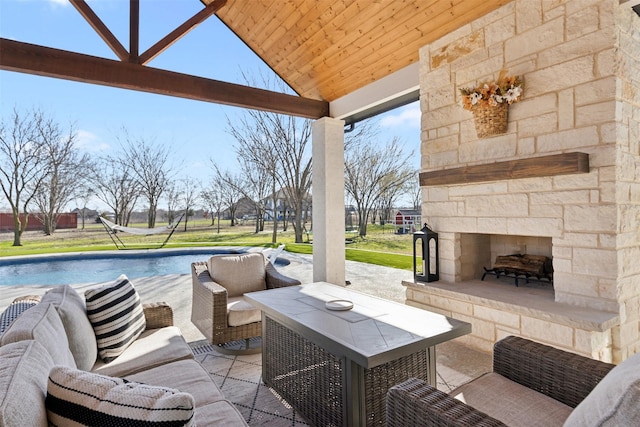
(325, 49)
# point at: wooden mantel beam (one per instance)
(49, 62)
(533, 167)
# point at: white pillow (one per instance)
(72, 312)
(614, 401)
(24, 367)
(83, 398)
(116, 315)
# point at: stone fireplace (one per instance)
(563, 182)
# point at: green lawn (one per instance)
(381, 246)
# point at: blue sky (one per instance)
(197, 131)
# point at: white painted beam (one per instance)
(394, 90)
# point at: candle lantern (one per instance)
(426, 264)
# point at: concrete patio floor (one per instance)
(456, 363)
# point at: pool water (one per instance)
(99, 267)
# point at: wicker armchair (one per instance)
(562, 376)
(218, 309)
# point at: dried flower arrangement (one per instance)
(505, 90)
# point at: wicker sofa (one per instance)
(531, 385)
(53, 336)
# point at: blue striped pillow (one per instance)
(77, 397)
(116, 315)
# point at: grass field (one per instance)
(381, 246)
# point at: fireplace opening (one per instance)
(499, 256)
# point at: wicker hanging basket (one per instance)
(490, 121)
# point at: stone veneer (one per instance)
(580, 61)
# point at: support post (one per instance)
(328, 201)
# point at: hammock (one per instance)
(112, 228)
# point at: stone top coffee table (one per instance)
(335, 366)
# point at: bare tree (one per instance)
(189, 196)
(213, 200)
(371, 171)
(117, 188)
(229, 185)
(256, 185)
(85, 193)
(23, 166)
(172, 195)
(67, 170)
(149, 164)
(415, 191)
(280, 145)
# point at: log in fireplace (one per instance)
(538, 268)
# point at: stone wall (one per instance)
(580, 62)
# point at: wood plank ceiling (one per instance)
(325, 49)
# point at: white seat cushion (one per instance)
(241, 312)
(154, 347)
(512, 403)
(239, 274)
(185, 375)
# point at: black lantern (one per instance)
(426, 266)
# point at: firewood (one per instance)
(522, 264)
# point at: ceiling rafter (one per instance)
(103, 31)
(134, 30)
(50, 62)
(180, 31)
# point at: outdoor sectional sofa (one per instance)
(52, 367)
(532, 384)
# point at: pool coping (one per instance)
(129, 253)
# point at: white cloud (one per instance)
(405, 116)
(90, 142)
(59, 2)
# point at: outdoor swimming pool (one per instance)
(94, 267)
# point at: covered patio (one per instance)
(562, 181)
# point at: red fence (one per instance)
(66, 220)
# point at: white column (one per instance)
(328, 201)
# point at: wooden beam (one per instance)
(183, 29)
(134, 30)
(534, 167)
(100, 28)
(49, 62)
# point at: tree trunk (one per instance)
(17, 229)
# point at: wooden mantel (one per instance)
(533, 167)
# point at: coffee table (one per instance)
(335, 367)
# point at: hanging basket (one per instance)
(490, 121)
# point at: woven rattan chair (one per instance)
(218, 308)
(562, 376)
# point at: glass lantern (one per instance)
(426, 259)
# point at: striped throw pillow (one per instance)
(116, 315)
(77, 397)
